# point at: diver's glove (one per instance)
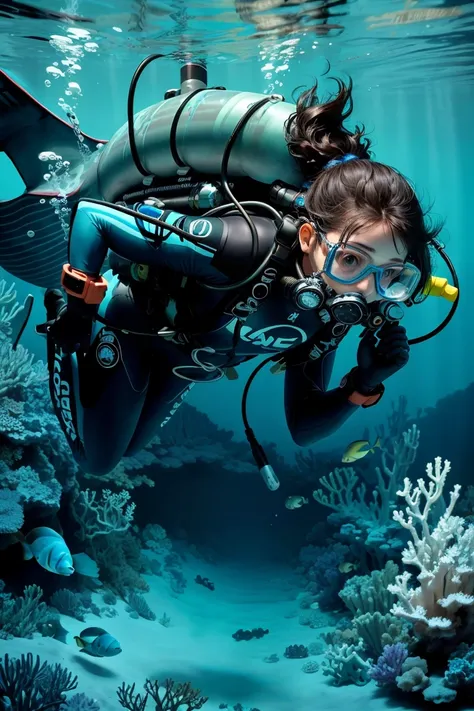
(71, 329)
(377, 361)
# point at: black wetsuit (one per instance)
(115, 398)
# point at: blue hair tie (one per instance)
(342, 159)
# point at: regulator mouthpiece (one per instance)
(439, 286)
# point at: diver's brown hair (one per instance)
(356, 194)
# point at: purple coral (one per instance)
(389, 664)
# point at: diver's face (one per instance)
(376, 243)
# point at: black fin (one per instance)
(33, 244)
(27, 128)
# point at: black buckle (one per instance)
(286, 239)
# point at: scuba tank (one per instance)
(188, 132)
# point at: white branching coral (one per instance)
(444, 601)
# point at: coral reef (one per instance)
(345, 665)
(7, 299)
(29, 685)
(370, 593)
(35, 462)
(155, 538)
(365, 525)
(321, 567)
(169, 696)
(443, 603)
(80, 702)
(413, 675)
(138, 605)
(21, 616)
(74, 604)
(120, 562)
(296, 651)
(11, 511)
(389, 664)
(111, 513)
(460, 671)
(310, 667)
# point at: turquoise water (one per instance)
(413, 81)
(412, 64)
(413, 90)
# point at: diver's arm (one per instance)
(97, 228)
(312, 412)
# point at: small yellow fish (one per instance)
(295, 502)
(347, 567)
(356, 450)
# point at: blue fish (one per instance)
(97, 642)
(51, 551)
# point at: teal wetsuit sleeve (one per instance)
(97, 228)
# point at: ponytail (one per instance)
(315, 133)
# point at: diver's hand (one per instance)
(72, 328)
(377, 361)
(70, 332)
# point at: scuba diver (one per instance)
(168, 285)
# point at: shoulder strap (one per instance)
(246, 300)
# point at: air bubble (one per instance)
(47, 83)
(30, 233)
(79, 34)
(48, 155)
(75, 88)
(54, 72)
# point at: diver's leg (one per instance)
(99, 397)
(113, 383)
(166, 392)
(61, 368)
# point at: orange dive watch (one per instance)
(358, 398)
(88, 288)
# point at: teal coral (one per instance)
(35, 461)
(345, 665)
(20, 617)
(28, 685)
(104, 515)
(365, 521)
(80, 702)
(11, 512)
(369, 593)
(460, 671)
